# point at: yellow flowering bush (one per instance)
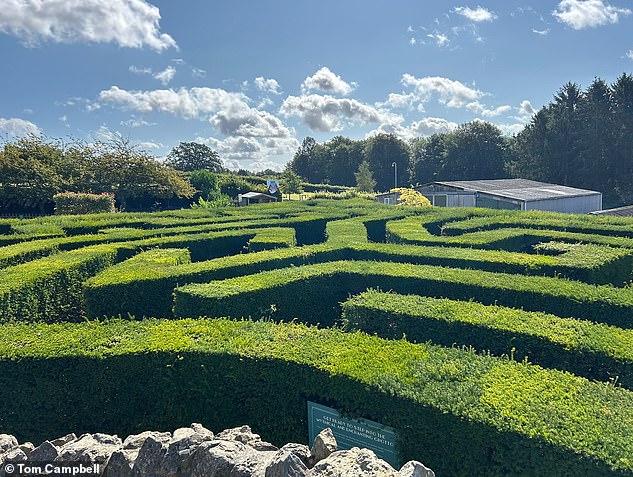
(411, 197)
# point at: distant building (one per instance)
(254, 198)
(511, 194)
(626, 211)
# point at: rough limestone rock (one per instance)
(62, 441)
(413, 468)
(45, 452)
(302, 451)
(14, 455)
(245, 435)
(92, 448)
(324, 445)
(120, 463)
(151, 455)
(7, 442)
(224, 458)
(195, 452)
(183, 444)
(286, 463)
(200, 429)
(352, 463)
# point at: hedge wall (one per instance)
(313, 293)
(584, 348)
(465, 414)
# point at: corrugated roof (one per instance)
(626, 211)
(519, 189)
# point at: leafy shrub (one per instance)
(73, 203)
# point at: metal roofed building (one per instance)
(513, 194)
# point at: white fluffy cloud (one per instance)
(629, 54)
(580, 14)
(511, 129)
(327, 81)
(453, 94)
(478, 108)
(422, 128)
(478, 14)
(128, 23)
(166, 75)
(228, 112)
(326, 113)
(253, 153)
(526, 108)
(267, 85)
(15, 127)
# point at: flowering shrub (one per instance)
(411, 197)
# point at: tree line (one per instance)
(582, 138)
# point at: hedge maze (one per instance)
(496, 343)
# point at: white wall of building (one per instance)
(571, 205)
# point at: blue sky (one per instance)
(253, 78)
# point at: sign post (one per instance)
(353, 432)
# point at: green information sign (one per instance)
(353, 432)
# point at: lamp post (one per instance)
(395, 174)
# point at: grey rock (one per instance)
(324, 445)
(120, 463)
(7, 442)
(135, 441)
(302, 451)
(286, 463)
(200, 429)
(14, 455)
(45, 452)
(27, 448)
(62, 441)
(413, 468)
(177, 460)
(224, 458)
(150, 456)
(93, 448)
(352, 463)
(245, 435)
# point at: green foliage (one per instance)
(364, 178)
(291, 182)
(73, 203)
(32, 171)
(584, 348)
(467, 414)
(206, 182)
(193, 156)
(219, 201)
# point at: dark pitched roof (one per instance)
(519, 189)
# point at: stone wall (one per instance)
(197, 452)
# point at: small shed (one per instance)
(255, 198)
(513, 194)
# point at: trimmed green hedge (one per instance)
(413, 231)
(588, 349)
(50, 289)
(106, 293)
(539, 220)
(461, 413)
(313, 293)
(271, 238)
